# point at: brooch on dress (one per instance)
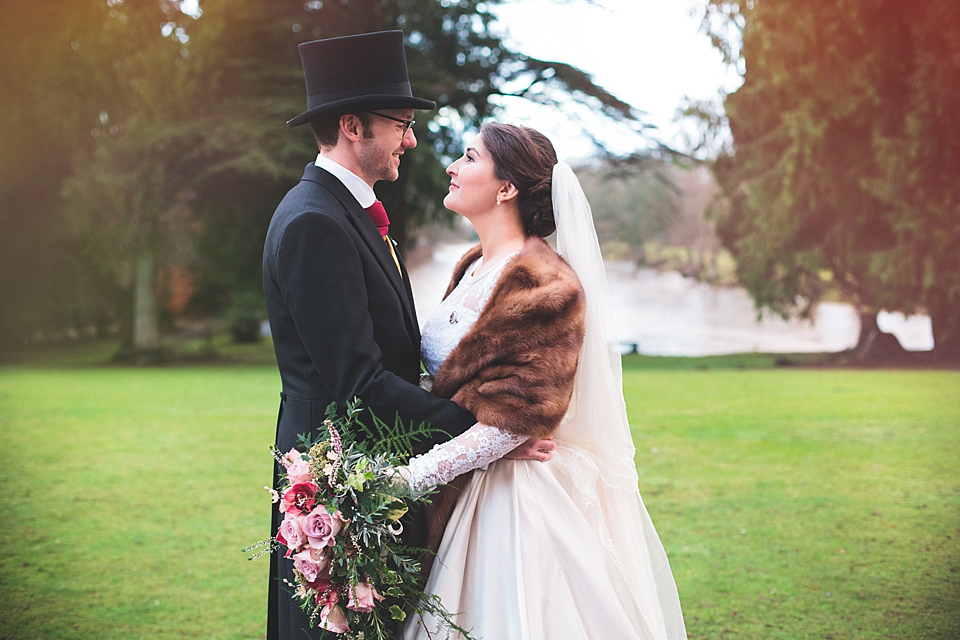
(454, 318)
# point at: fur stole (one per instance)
(515, 368)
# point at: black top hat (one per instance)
(362, 72)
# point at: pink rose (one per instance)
(298, 469)
(290, 457)
(299, 498)
(312, 564)
(334, 618)
(363, 598)
(321, 527)
(291, 533)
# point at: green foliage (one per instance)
(50, 111)
(375, 437)
(127, 180)
(361, 499)
(631, 203)
(245, 313)
(135, 134)
(845, 141)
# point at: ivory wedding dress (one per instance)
(552, 550)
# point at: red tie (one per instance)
(379, 216)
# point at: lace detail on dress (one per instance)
(442, 332)
(585, 476)
(458, 312)
(476, 447)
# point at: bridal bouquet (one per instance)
(343, 506)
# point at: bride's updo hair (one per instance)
(525, 157)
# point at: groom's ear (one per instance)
(351, 127)
(507, 192)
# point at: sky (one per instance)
(649, 53)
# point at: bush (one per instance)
(245, 314)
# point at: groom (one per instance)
(337, 292)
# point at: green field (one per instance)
(793, 503)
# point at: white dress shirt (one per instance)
(354, 184)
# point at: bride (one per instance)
(525, 549)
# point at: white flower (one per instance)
(274, 496)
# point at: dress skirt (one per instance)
(522, 560)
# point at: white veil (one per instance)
(594, 445)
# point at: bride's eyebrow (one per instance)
(469, 149)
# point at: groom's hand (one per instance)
(534, 449)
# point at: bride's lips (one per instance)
(454, 185)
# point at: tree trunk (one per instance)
(868, 325)
(874, 344)
(146, 324)
(641, 254)
(143, 346)
(945, 320)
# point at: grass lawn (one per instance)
(793, 503)
(126, 497)
(805, 503)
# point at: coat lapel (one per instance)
(371, 237)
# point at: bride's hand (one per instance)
(534, 449)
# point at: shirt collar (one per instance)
(354, 184)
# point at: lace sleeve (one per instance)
(474, 448)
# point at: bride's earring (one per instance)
(498, 201)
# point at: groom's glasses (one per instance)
(407, 124)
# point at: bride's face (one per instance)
(473, 184)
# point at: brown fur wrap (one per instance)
(515, 368)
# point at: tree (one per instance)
(632, 203)
(843, 140)
(44, 285)
(694, 228)
(125, 119)
(917, 164)
(125, 185)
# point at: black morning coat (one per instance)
(344, 326)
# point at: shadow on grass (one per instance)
(840, 359)
(219, 349)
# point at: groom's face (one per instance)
(383, 143)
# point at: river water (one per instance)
(664, 313)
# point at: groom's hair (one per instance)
(326, 127)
